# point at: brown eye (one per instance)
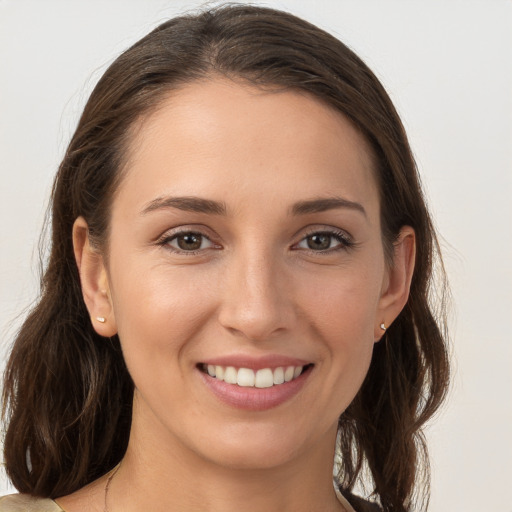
(188, 242)
(319, 242)
(326, 241)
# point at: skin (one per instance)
(254, 287)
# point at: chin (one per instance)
(259, 446)
(252, 456)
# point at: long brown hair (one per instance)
(67, 393)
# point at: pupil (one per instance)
(319, 242)
(189, 242)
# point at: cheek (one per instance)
(343, 305)
(158, 312)
(342, 312)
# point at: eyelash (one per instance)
(167, 239)
(344, 239)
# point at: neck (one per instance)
(159, 473)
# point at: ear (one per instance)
(94, 280)
(397, 282)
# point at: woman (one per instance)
(237, 289)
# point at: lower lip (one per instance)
(255, 399)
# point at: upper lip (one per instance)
(255, 363)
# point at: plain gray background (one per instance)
(446, 64)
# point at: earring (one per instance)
(383, 326)
(101, 319)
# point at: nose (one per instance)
(257, 302)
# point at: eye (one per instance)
(187, 241)
(325, 241)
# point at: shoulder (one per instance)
(359, 504)
(27, 503)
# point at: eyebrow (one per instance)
(208, 206)
(186, 203)
(324, 204)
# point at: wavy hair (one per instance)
(67, 393)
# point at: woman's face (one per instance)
(245, 241)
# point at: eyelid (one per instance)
(346, 240)
(172, 234)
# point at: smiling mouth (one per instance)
(249, 378)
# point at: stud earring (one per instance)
(101, 319)
(383, 326)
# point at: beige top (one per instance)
(26, 503)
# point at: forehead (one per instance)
(216, 137)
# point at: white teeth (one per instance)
(230, 375)
(219, 372)
(278, 376)
(264, 378)
(246, 377)
(288, 373)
